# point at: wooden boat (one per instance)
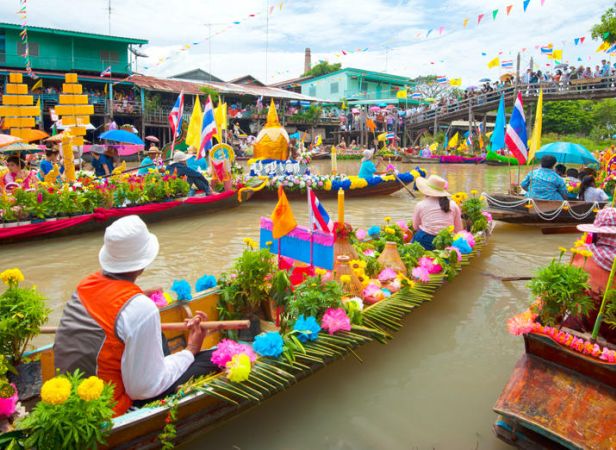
(558, 398)
(578, 212)
(318, 156)
(419, 160)
(217, 400)
(101, 217)
(383, 188)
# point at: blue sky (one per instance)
(387, 28)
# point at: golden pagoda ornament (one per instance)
(18, 109)
(272, 141)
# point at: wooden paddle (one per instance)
(181, 326)
(497, 277)
(134, 168)
(404, 185)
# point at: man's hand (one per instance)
(196, 334)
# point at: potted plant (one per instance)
(280, 293)
(22, 313)
(313, 297)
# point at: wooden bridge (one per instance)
(475, 109)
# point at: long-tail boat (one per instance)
(209, 402)
(381, 189)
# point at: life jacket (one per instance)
(87, 337)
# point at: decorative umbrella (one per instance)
(152, 139)
(123, 136)
(20, 147)
(375, 108)
(7, 139)
(506, 76)
(567, 152)
(32, 134)
(485, 80)
(129, 127)
(58, 138)
(561, 66)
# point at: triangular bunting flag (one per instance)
(479, 17)
(582, 39)
(576, 41)
(542, 2)
(429, 31)
(494, 13)
(441, 29)
(466, 22)
(526, 2)
(509, 9)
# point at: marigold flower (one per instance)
(90, 389)
(390, 230)
(238, 369)
(387, 219)
(320, 271)
(12, 277)
(250, 243)
(474, 192)
(344, 279)
(56, 391)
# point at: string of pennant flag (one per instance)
(22, 12)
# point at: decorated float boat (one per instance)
(443, 159)
(378, 277)
(522, 210)
(562, 393)
(419, 160)
(494, 159)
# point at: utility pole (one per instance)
(267, 14)
(109, 15)
(517, 77)
(387, 49)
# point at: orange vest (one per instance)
(104, 298)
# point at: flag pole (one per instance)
(311, 227)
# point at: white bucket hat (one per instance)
(179, 157)
(367, 155)
(128, 247)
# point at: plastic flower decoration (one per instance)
(90, 389)
(457, 250)
(467, 236)
(205, 282)
(168, 297)
(182, 289)
(159, 299)
(335, 319)
(369, 252)
(358, 302)
(430, 265)
(420, 273)
(361, 234)
(56, 390)
(238, 369)
(374, 231)
(387, 274)
(227, 349)
(387, 219)
(12, 277)
(269, 344)
(402, 224)
(307, 328)
(461, 244)
(345, 279)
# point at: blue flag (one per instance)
(498, 136)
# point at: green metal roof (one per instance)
(80, 34)
(365, 74)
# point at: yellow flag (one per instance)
(557, 55)
(193, 135)
(453, 143)
(382, 137)
(465, 22)
(283, 221)
(481, 145)
(455, 82)
(535, 140)
(401, 93)
(603, 47)
(38, 85)
(494, 63)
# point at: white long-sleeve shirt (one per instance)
(146, 372)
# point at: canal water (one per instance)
(432, 387)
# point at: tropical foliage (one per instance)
(322, 68)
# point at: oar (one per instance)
(134, 168)
(181, 326)
(497, 277)
(404, 185)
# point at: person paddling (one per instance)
(111, 328)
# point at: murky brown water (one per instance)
(432, 387)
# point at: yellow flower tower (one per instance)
(75, 113)
(18, 108)
(272, 141)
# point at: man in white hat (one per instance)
(111, 328)
(181, 169)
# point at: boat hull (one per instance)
(384, 188)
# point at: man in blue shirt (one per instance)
(101, 163)
(179, 167)
(544, 183)
(52, 156)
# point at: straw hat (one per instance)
(367, 155)
(192, 150)
(605, 223)
(179, 157)
(128, 247)
(153, 149)
(433, 186)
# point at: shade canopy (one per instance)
(32, 134)
(125, 137)
(567, 153)
(20, 147)
(7, 139)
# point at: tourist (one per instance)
(194, 163)
(18, 175)
(561, 170)
(101, 163)
(435, 212)
(52, 156)
(544, 183)
(573, 175)
(179, 167)
(111, 328)
(149, 162)
(367, 169)
(590, 193)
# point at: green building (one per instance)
(63, 51)
(356, 86)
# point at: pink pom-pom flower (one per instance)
(387, 274)
(458, 252)
(429, 264)
(227, 349)
(369, 252)
(159, 299)
(420, 273)
(335, 319)
(402, 224)
(361, 234)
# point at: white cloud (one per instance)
(328, 26)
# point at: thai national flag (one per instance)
(175, 116)
(208, 128)
(547, 49)
(507, 64)
(106, 72)
(390, 136)
(515, 136)
(442, 79)
(416, 95)
(319, 219)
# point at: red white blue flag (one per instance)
(175, 116)
(208, 128)
(106, 72)
(319, 219)
(515, 136)
(442, 79)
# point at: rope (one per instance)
(544, 215)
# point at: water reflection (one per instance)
(432, 387)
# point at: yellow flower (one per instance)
(562, 249)
(56, 391)
(90, 389)
(344, 279)
(250, 243)
(474, 192)
(529, 205)
(168, 297)
(320, 271)
(390, 230)
(12, 277)
(268, 243)
(585, 253)
(387, 219)
(595, 210)
(238, 369)
(565, 207)
(450, 228)
(363, 279)
(482, 198)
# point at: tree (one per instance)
(322, 68)
(568, 117)
(606, 29)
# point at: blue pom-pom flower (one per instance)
(182, 289)
(307, 327)
(374, 231)
(205, 282)
(461, 244)
(269, 344)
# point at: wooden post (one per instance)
(435, 123)
(517, 77)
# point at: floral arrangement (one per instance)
(227, 349)
(74, 413)
(334, 320)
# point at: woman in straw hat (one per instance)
(435, 212)
(148, 162)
